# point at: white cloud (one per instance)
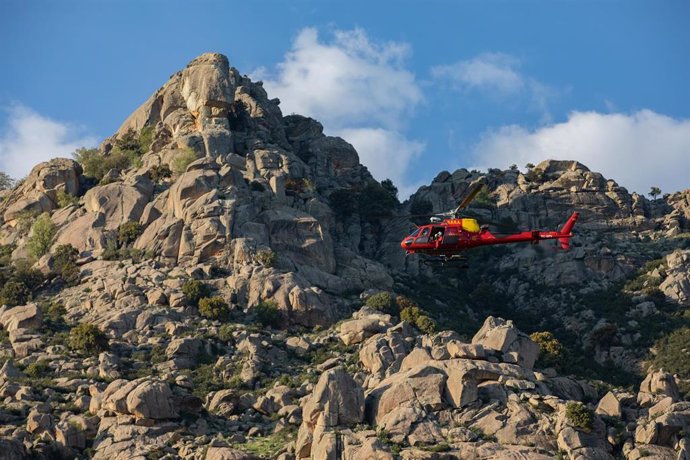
(30, 138)
(498, 75)
(637, 150)
(358, 88)
(488, 71)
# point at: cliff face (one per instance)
(189, 277)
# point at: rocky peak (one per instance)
(197, 289)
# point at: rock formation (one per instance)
(220, 281)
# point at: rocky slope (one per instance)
(220, 281)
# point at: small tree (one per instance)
(267, 313)
(381, 301)
(579, 415)
(128, 232)
(42, 234)
(194, 290)
(14, 293)
(213, 308)
(426, 324)
(529, 166)
(65, 263)
(552, 351)
(6, 181)
(88, 339)
(654, 192)
(513, 167)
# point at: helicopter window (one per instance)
(415, 233)
(423, 236)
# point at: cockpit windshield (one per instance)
(415, 233)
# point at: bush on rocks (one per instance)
(579, 415)
(552, 351)
(194, 290)
(381, 301)
(87, 339)
(65, 263)
(42, 234)
(267, 314)
(128, 232)
(214, 308)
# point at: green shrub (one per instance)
(414, 315)
(6, 251)
(65, 199)
(145, 139)
(673, 355)
(381, 301)
(267, 314)
(410, 314)
(128, 232)
(552, 351)
(426, 324)
(111, 251)
(484, 199)
(37, 369)
(87, 339)
(14, 293)
(266, 257)
(31, 278)
(214, 308)
(65, 263)
(182, 160)
(53, 315)
(194, 290)
(579, 415)
(225, 332)
(42, 234)
(97, 165)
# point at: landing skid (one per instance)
(456, 261)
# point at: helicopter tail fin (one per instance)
(566, 230)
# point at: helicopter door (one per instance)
(451, 236)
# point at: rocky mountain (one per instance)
(220, 281)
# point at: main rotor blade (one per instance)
(468, 199)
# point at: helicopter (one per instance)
(448, 235)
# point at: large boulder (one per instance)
(364, 325)
(337, 400)
(120, 202)
(20, 317)
(38, 193)
(510, 343)
(142, 398)
(656, 386)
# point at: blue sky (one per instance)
(417, 87)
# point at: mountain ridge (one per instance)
(217, 277)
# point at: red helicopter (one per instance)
(447, 239)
